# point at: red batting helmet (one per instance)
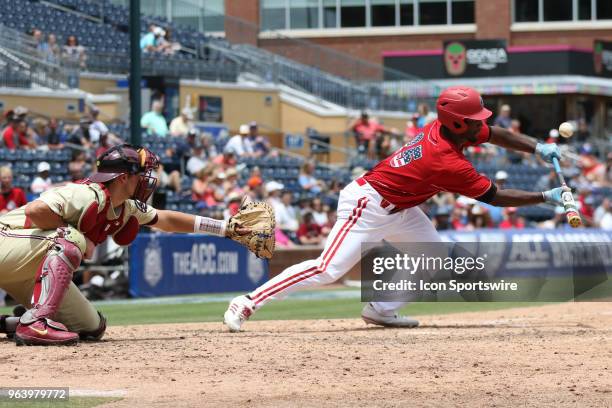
(457, 103)
(129, 159)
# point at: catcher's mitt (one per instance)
(258, 218)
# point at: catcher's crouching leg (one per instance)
(96, 334)
(52, 280)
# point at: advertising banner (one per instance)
(475, 58)
(165, 264)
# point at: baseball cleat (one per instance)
(239, 310)
(371, 316)
(44, 332)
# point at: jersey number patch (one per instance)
(406, 155)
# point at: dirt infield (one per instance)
(555, 355)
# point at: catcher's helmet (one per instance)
(457, 103)
(128, 159)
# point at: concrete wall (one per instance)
(52, 104)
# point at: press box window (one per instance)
(304, 14)
(383, 13)
(330, 14)
(273, 15)
(432, 12)
(406, 12)
(462, 12)
(525, 10)
(352, 13)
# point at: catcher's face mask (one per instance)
(128, 159)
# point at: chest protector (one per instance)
(97, 227)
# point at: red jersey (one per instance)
(367, 131)
(425, 166)
(14, 198)
(9, 139)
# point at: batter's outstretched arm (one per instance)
(504, 138)
(516, 198)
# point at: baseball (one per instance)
(566, 129)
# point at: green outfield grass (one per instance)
(309, 305)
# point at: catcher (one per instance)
(43, 242)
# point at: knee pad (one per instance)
(52, 279)
(96, 334)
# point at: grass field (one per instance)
(325, 304)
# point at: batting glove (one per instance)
(548, 151)
(554, 196)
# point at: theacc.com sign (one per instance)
(472, 57)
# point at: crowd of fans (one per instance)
(48, 49)
(214, 177)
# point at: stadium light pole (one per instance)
(135, 73)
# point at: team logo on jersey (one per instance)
(406, 155)
(416, 139)
(455, 58)
(255, 268)
(153, 263)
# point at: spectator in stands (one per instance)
(512, 220)
(601, 211)
(74, 53)
(147, 41)
(261, 144)
(97, 129)
(80, 136)
(366, 131)
(592, 169)
(549, 179)
(424, 115)
(204, 189)
(503, 119)
(78, 167)
(332, 217)
(15, 135)
(309, 232)
(230, 184)
(39, 41)
(478, 217)
(198, 160)
(168, 181)
(226, 160)
(240, 144)
(308, 181)
(51, 136)
(497, 213)
(558, 220)
(583, 133)
(42, 182)
(52, 52)
(286, 214)
(10, 197)
(319, 211)
(553, 136)
(182, 124)
(606, 220)
(164, 43)
(154, 121)
(255, 179)
(232, 205)
(441, 219)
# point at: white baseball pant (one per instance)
(361, 218)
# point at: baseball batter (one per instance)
(383, 203)
(43, 243)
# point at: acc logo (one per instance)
(153, 263)
(255, 268)
(455, 58)
(406, 155)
